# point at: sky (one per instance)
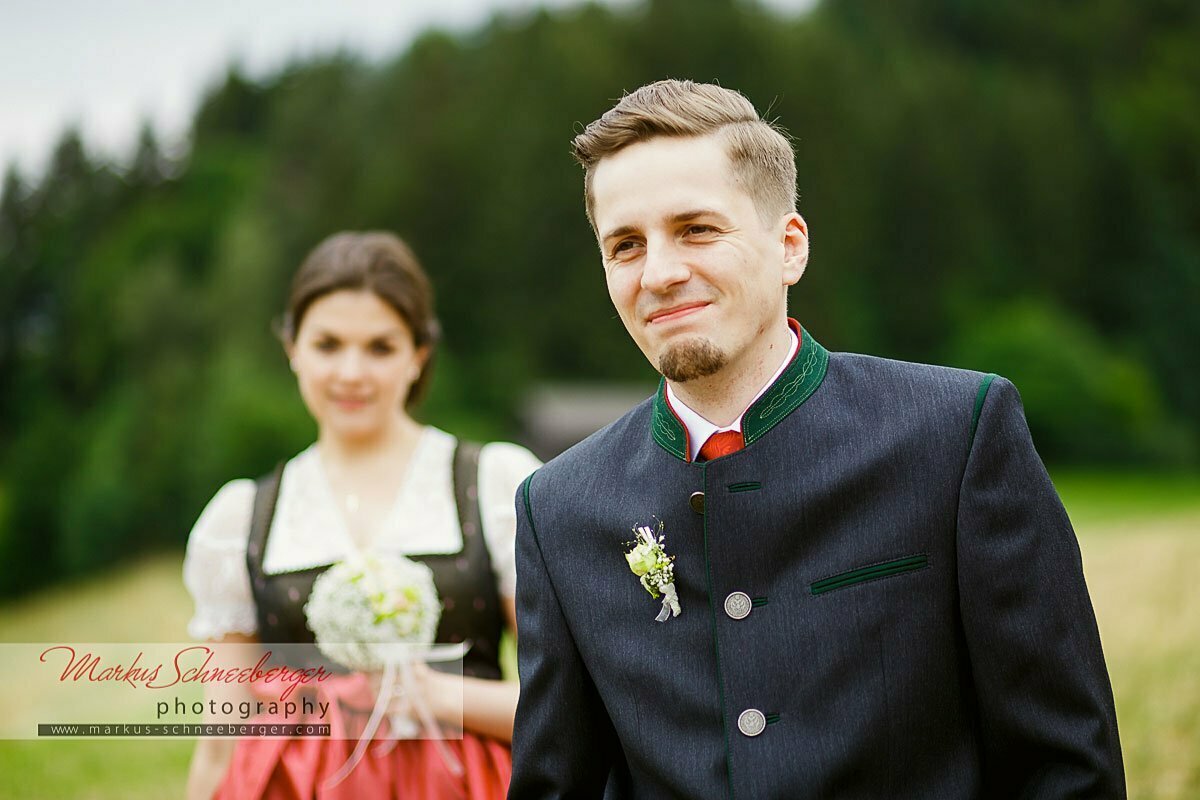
(107, 67)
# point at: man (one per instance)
(846, 577)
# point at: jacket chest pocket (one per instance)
(870, 572)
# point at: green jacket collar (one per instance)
(799, 380)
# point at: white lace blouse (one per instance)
(308, 529)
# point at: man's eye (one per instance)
(624, 248)
(699, 230)
(326, 345)
(381, 348)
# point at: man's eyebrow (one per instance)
(695, 213)
(624, 230)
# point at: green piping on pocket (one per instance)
(744, 486)
(884, 570)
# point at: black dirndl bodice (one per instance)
(465, 581)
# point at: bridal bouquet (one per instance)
(368, 613)
(362, 608)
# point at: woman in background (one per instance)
(360, 332)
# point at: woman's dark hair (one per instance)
(374, 261)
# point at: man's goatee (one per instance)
(697, 358)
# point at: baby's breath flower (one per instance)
(372, 600)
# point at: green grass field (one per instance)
(1140, 537)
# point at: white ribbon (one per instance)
(397, 661)
(670, 603)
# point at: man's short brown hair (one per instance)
(760, 152)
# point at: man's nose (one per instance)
(663, 267)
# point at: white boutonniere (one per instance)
(648, 559)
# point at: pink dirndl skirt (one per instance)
(412, 769)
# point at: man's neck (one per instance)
(723, 397)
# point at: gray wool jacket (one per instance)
(881, 596)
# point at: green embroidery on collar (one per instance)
(797, 383)
(667, 429)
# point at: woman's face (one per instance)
(355, 361)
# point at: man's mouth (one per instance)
(673, 313)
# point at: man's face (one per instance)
(693, 271)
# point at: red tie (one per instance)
(720, 444)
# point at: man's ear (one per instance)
(289, 350)
(795, 248)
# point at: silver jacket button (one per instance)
(696, 501)
(751, 722)
(738, 605)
